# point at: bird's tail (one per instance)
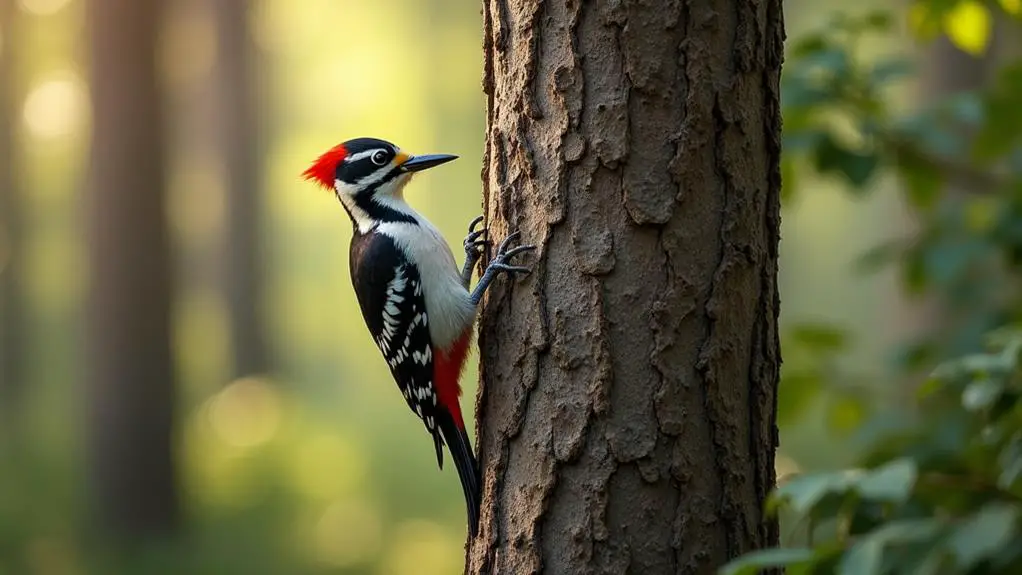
(457, 441)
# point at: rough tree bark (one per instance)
(237, 132)
(129, 369)
(628, 385)
(12, 315)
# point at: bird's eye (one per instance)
(379, 158)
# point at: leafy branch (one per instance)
(938, 488)
(941, 496)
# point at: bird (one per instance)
(417, 304)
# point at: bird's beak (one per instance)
(426, 161)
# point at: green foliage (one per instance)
(936, 481)
(941, 495)
(959, 162)
(812, 352)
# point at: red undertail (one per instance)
(447, 367)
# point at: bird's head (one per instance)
(366, 169)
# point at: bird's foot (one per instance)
(501, 264)
(474, 247)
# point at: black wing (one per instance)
(389, 291)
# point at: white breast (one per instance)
(447, 301)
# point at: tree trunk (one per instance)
(128, 356)
(238, 147)
(627, 401)
(12, 314)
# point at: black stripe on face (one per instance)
(380, 213)
(366, 200)
(352, 170)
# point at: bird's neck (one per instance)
(369, 211)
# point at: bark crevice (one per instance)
(626, 398)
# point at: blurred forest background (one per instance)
(292, 452)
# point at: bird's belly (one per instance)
(449, 310)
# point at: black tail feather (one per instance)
(468, 470)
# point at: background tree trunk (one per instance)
(129, 367)
(12, 314)
(628, 388)
(238, 143)
(946, 71)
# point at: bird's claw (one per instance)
(473, 245)
(510, 269)
(501, 262)
(507, 241)
(475, 222)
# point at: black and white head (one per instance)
(368, 176)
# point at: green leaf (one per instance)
(803, 140)
(789, 180)
(880, 256)
(984, 534)
(857, 167)
(756, 561)
(892, 482)
(908, 531)
(949, 260)
(846, 414)
(1010, 461)
(930, 387)
(808, 44)
(913, 273)
(916, 355)
(922, 184)
(864, 558)
(819, 337)
(799, 92)
(923, 20)
(1000, 134)
(879, 20)
(805, 491)
(1008, 339)
(889, 70)
(981, 394)
(799, 389)
(966, 108)
(975, 366)
(834, 61)
(981, 214)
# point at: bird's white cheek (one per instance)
(395, 188)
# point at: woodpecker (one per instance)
(415, 301)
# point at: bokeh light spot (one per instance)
(217, 475)
(328, 465)
(246, 413)
(43, 7)
(423, 548)
(348, 533)
(55, 107)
